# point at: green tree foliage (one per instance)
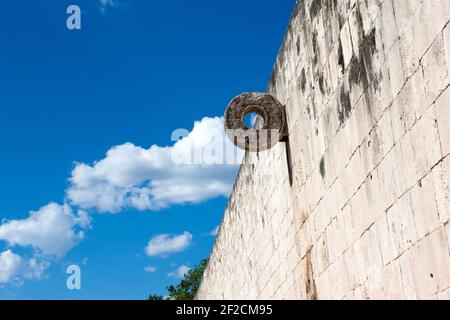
(187, 288)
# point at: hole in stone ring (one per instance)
(250, 119)
(254, 117)
(241, 128)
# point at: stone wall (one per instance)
(366, 213)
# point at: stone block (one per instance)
(426, 268)
(346, 41)
(392, 282)
(397, 123)
(396, 72)
(431, 17)
(401, 225)
(424, 206)
(384, 240)
(436, 75)
(388, 24)
(443, 119)
(421, 148)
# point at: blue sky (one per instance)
(135, 72)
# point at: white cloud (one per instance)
(180, 273)
(53, 229)
(10, 264)
(214, 231)
(84, 220)
(34, 268)
(128, 177)
(14, 268)
(107, 3)
(51, 232)
(164, 244)
(150, 269)
(191, 171)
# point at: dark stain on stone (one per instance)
(341, 20)
(359, 20)
(314, 112)
(299, 9)
(310, 283)
(361, 66)
(303, 80)
(329, 17)
(357, 72)
(370, 80)
(314, 8)
(303, 216)
(369, 47)
(322, 167)
(316, 49)
(357, 69)
(344, 106)
(321, 84)
(341, 57)
(377, 147)
(330, 5)
(335, 4)
(361, 72)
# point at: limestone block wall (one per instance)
(366, 213)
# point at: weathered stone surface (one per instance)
(366, 88)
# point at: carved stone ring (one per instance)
(270, 126)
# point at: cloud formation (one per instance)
(214, 231)
(198, 167)
(14, 268)
(180, 273)
(53, 229)
(193, 170)
(9, 266)
(164, 244)
(104, 4)
(150, 269)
